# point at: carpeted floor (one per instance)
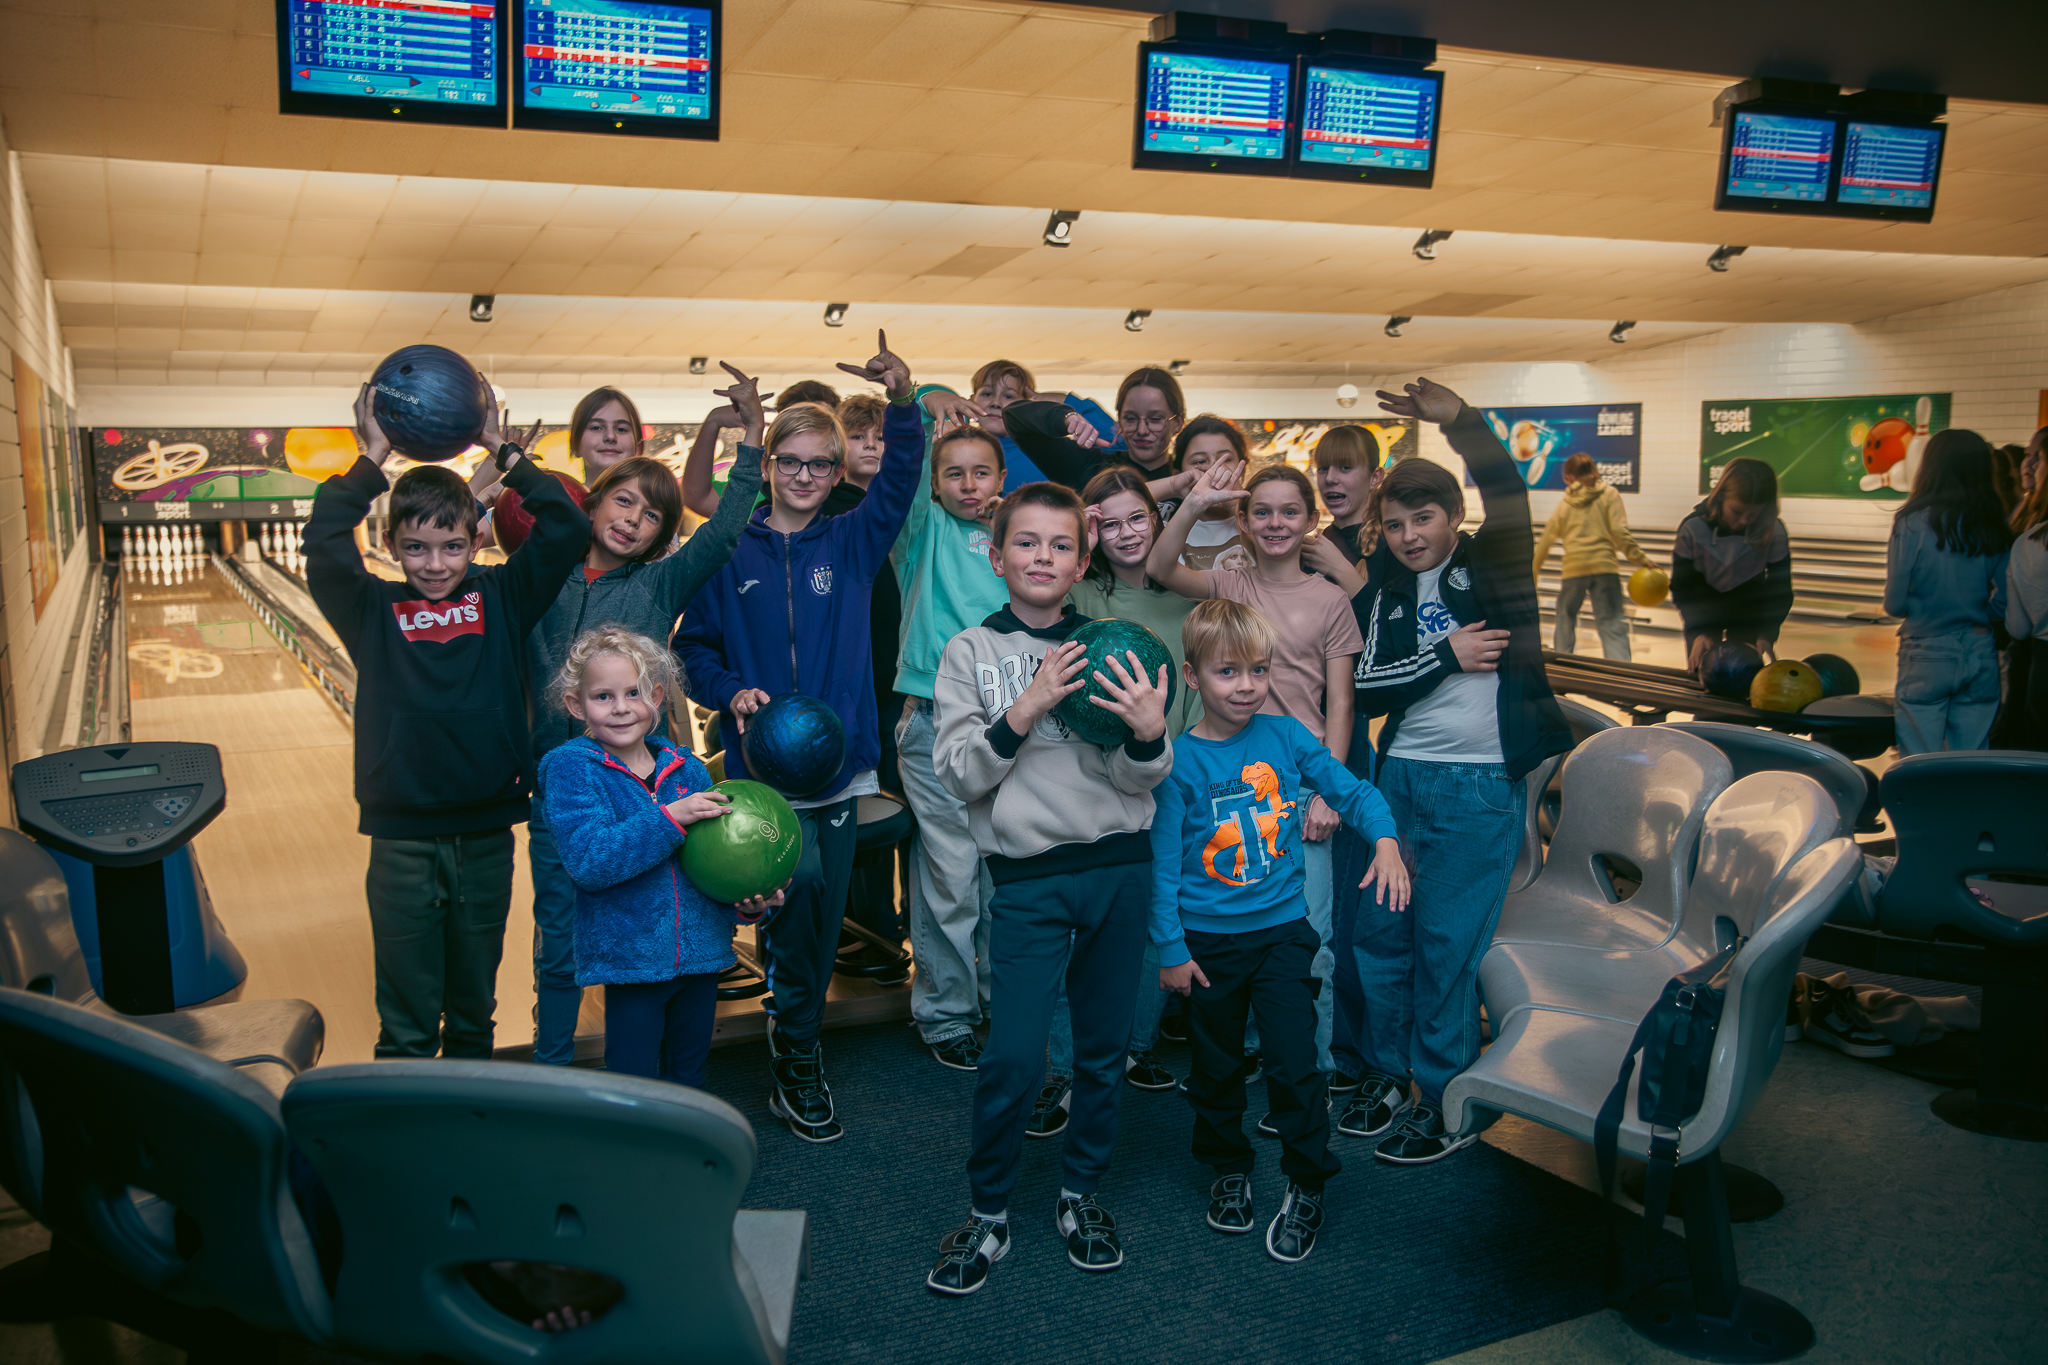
(1414, 1263)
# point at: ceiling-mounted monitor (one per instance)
(1213, 109)
(618, 66)
(1776, 161)
(412, 61)
(1889, 170)
(1366, 120)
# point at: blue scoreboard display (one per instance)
(424, 61)
(618, 66)
(1363, 122)
(1888, 165)
(1778, 157)
(1212, 111)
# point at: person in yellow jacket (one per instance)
(1593, 525)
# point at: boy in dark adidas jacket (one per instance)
(443, 758)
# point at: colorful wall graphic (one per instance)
(51, 477)
(1294, 438)
(1866, 447)
(1542, 438)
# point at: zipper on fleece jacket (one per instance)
(789, 600)
(675, 890)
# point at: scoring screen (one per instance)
(1215, 106)
(1780, 156)
(1887, 165)
(613, 57)
(1368, 118)
(436, 51)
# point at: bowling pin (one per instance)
(263, 537)
(1923, 416)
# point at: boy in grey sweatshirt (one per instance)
(1063, 824)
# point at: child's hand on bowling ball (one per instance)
(1478, 649)
(1391, 873)
(708, 805)
(1054, 681)
(1183, 979)
(1134, 698)
(1697, 654)
(376, 445)
(886, 369)
(754, 909)
(746, 702)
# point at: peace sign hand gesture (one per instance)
(886, 369)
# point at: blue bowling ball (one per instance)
(429, 401)
(795, 744)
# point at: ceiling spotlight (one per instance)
(480, 307)
(1425, 245)
(1718, 262)
(1620, 332)
(699, 364)
(1059, 229)
(1394, 325)
(1134, 321)
(1347, 395)
(835, 314)
(1178, 368)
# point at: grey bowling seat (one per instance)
(1638, 794)
(1540, 810)
(1752, 750)
(273, 1040)
(157, 1161)
(434, 1166)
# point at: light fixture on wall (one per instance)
(480, 306)
(699, 364)
(1347, 395)
(1425, 245)
(1134, 321)
(1718, 262)
(1620, 332)
(1395, 324)
(835, 314)
(1177, 368)
(1059, 229)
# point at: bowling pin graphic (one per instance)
(1903, 472)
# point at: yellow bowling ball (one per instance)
(1649, 587)
(1787, 685)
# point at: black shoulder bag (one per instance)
(1676, 1040)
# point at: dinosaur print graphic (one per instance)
(1246, 845)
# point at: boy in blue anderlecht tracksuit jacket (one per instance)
(790, 613)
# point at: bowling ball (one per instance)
(1886, 444)
(1103, 638)
(429, 401)
(795, 744)
(1728, 668)
(1787, 685)
(1648, 587)
(1837, 675)
(751, 850)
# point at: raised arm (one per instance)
(1044, 432)
(879, 518)
(742, 412)
(677, 578)
(534, 574)
(342, 588)
(1163, 563)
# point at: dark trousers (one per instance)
(1268, 973)
(1350, 856)
(437, 918)
(661, 1029)
(1088, 928)
(803, 932)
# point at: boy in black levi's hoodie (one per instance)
(444, 761)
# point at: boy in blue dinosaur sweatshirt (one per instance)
(1230, 915)
(622, 803)
(789, 613)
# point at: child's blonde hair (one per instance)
(799, 418)
(1222, 629)
(655, 665)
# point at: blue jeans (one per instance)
(557, 997)
(1609, 616)
(1947, 692)
(1461, 828)
(949, 892)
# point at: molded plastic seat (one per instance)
(160, 1162)
(1555, 1065)
(1548, 800)
(1638, 794)
(1960, 816)
(1751, 750)
(434, 1166)
(1752, 836)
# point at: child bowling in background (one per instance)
(443, 755)
(789, 613)
(1230, 916)
(1593, 524)
(1317, 641)
(1731, 564)
(1454, 660)
(1945, 572)
(1064, 825)
(622, 800)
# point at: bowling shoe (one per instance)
(800, 1096)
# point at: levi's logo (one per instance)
(441, 621)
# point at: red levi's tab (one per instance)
(440, 621)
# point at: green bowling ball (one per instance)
(751, 850)
(1103, 638)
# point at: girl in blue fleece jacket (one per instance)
(621, 803)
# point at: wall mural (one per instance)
(52, 478)
(1866, 447)
(1542, 438)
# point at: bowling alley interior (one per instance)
(567, 801)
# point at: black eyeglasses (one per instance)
(789, 465)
